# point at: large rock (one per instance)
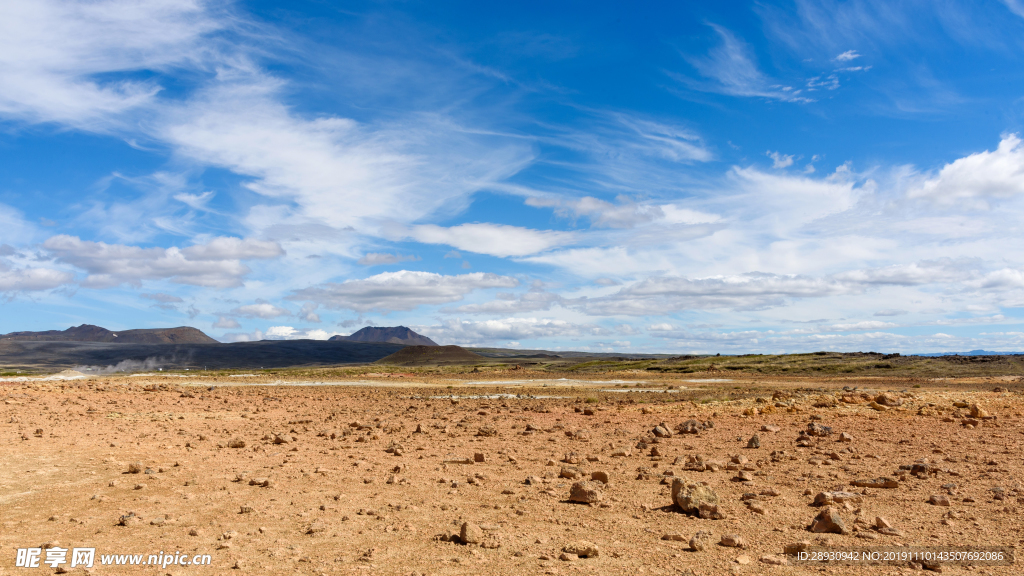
(828, 521)
(695, 499)
(585, 491)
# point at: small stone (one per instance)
(754, 442)
(978, 412)
(938, 500)
(774, 560)
(844, 437)
(582, 549)
(743, 560)
(479, 457)
(136, 468)
(586, 492)
(661, 432)
(701, 541)
(770, 428)
(674, 537)
(890, 400)
(733, 541)
(881, 482)
(828, 521)
(470, 533)
(828, 498)
(600, 476)
(797, 547)
(236, 443)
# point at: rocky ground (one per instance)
(394, 479)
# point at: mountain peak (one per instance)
(390, 334)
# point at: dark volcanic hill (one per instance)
(424, 355)
(112, 357)
(90, 333)
(390, 334)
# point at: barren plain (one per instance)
(378, 470)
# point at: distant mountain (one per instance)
(389, 334)
(90, 333)
(431, 355)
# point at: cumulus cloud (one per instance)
(979, 178)
(667, 294)
(492, 239)
(264, 310)
(32, 279)
(379, 258)
(226, 323)
(215, 265)
(534, 300)
(780, 160)
(402, 290)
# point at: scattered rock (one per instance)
(701, 540)
(938, 500)
(470, 533)
(582, 549)
(733, 541)
(881, 482)
(586, 492)
(829, 498)
(136, 467)
(697, 499)
(236, 443)
(754, 442)
(828, 521)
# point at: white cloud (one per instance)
(847, 56)
(163, 298)
(625, 214)
(492, 239)
(732, 70)
(308, 312)
(226, 323)
(667, 294)
(780, 160)
(263, 310)
(52, 54)
(402, 290)
(978, 178)
(216, 264)
(464, 332)
(336, 170)
(379, 258)
(863, 325)
(535, 300)
(32, 279)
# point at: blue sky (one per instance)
(686, 177)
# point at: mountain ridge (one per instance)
(93, 333)
(387, 334)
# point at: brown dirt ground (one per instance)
(347, 506)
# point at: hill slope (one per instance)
(390, 334)
(135, 357)
(90, 333)
(422, 355)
